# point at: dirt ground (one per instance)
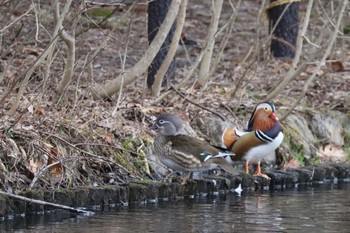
(58, 141)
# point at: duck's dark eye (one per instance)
(161, 121)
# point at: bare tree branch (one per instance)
(70, 42)
(133, 73)
(39, 202)
(172, 50)
(227, 36)
(206, 61)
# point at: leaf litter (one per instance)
(72, 140)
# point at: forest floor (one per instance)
(71, 140)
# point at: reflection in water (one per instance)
(324, 209)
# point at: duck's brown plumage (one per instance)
(191, 145)
(244, 144)
(184, 152)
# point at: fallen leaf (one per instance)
(56, 170)
(312, 69)
(30, 109)
(109, 138)
(331, 153)
(35, 164)
(293, 163)
(39, 111)
(337, 66)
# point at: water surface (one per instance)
(325, 208)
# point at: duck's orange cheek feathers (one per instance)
(264, 125)
(262, 121)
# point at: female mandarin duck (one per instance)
(183, 152)
(264, 136)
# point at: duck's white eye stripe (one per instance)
(264, 106)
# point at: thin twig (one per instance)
(258, 29)
(99, 24)
(14, 21)
(37, 25)
(104, 4)
(222, 117)
(123, 62)
(36, 177)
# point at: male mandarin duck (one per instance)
(185, 153)
(264, 136)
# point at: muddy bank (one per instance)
(148, 192)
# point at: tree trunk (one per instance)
(157, 11)
(286, 24)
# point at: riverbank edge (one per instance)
(152, 191)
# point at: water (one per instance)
(310, 209)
